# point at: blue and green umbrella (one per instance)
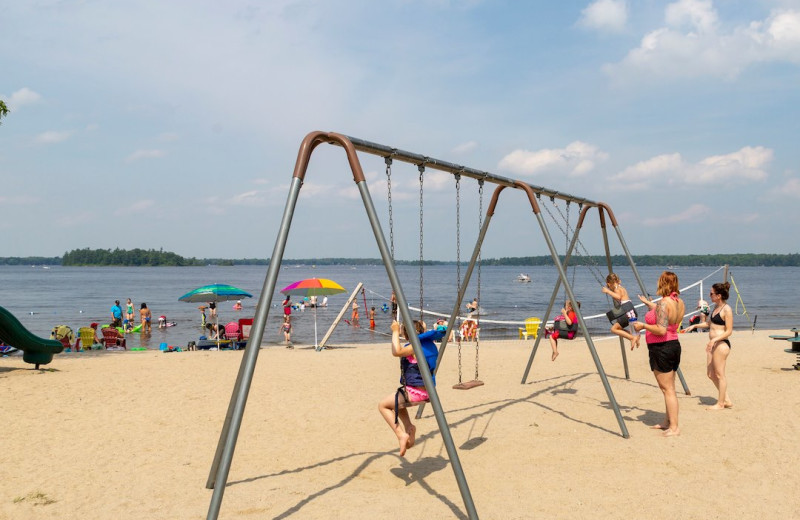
(216, 292)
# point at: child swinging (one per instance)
(412, 389)
(564, 326)
(619, 294)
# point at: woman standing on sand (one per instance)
(720, 328)
(661, 333)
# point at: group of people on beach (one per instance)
(660, 325)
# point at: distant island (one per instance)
(154, 258)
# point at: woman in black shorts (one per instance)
(661, 333)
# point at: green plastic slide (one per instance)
(35, 350)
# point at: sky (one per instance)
(176, 125)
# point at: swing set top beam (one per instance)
(387, 152)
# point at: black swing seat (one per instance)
(561, 325)
(468, 384)
(618, 312)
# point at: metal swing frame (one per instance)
(220, 468)
(602, 210)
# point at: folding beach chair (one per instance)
(112, 339)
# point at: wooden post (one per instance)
(340, 316)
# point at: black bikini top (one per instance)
(716, 319)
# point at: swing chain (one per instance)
(458, 256)
(388, 161)
(580, 250)
(480, 261)
(421, 169)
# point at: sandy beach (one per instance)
(131, 436)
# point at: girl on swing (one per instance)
(412, 389)
(569, 317)
(619, 294)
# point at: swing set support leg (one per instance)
(581, 323)
(223, 457)
(611, 270)
(402, 304)
(227, 442)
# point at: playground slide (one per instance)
(35, 350)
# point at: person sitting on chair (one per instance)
(96, 340)
(469, 329)
(113, 333)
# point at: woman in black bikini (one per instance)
(720, 328)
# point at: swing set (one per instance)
(220, 468)
(461, 385)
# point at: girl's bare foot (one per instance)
(728, 404)
(660, 427)
(412, 436)
(671, 433)
(717, 407)
(555, 355)
(402, 438)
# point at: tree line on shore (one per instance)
(152, 258)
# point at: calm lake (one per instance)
(76, 296)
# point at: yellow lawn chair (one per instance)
(531, 328)
(87, 339)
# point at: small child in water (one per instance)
(286, 327)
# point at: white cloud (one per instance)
(21, 97)
(135, 208)
(578, 158)
(746, 164)
(789, 189)
(693, 43)
(605, 15)
(696, 15)
(693, 212)
(52, 137)
(252, 198)
(465, 147)
(145, 154)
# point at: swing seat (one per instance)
(468, 384)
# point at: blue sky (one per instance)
(176, 125)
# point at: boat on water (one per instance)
(524, 278)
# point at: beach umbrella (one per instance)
(313, 287)
(216, 292)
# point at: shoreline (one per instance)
(132, 435)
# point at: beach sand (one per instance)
(132, 435)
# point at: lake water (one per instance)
(76, 296)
